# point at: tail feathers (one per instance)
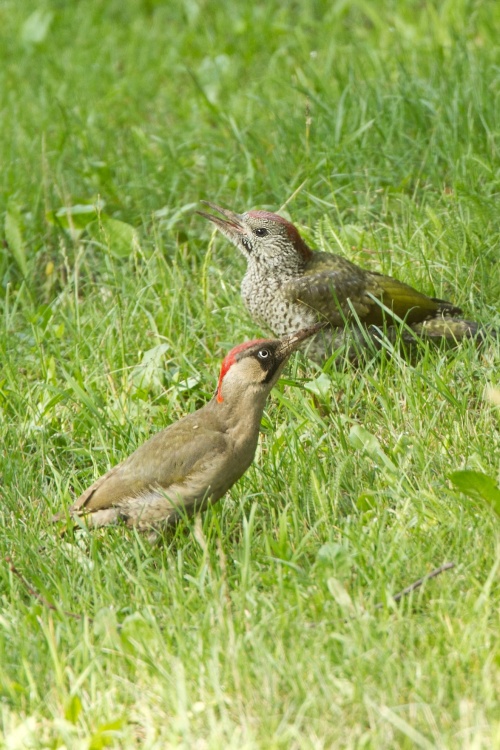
(355, 344)
(107, 517)
(452, 330)
(446, 308)
(95, 520)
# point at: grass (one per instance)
(257, 625)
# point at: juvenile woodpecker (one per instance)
(288, 286)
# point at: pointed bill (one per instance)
(231, 224)
(293, 341)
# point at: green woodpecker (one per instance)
(288, 286)
(193, 462)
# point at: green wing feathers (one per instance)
(335, 287)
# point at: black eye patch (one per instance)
(268, 363)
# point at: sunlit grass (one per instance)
(256, 625)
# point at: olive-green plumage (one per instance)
(193, 462)
(335, 287)
(288, 286)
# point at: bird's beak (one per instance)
(231, 225)
(292, 342)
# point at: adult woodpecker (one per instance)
(289, 286)
(193, 462)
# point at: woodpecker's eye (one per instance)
(264, 354)
(261, 232)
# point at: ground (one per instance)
(257, 625)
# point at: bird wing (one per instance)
(332, 293)
(408, 303)
(170, 458)
(335, 294)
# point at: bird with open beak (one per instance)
(288, 286)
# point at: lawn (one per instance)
(257, 625)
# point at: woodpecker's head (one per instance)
(256, 365)
(263, 238)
